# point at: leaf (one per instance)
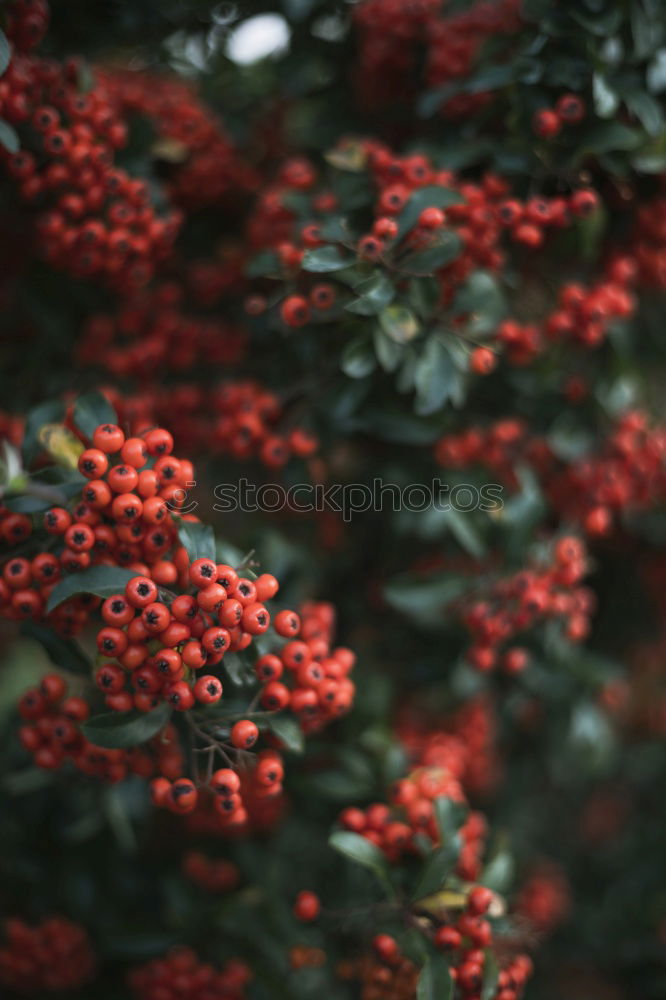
(198, 539)
(264, 264)
(425, 197)
(482, 300)
(424, 597)
(399, 323)
(5, 52)
(435, 257)
(449, 816)
(606, 137)
(116, 730)
(240, 668)
(360, 850)
(606, 101)
(440, 864)
(389, 354)
(373, 295)
(464, 531)
(647, 110)
(39, 417)
(656, 73)
(490, 976)
(100, 580)
(325, 259)
(63, 652)
(9, 137)
(436, 378)
(498, 873)
(92, 410)
(435, 982)
(358, 358)
(288, 732)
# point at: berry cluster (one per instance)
(180, 974)
(212, 874)
(514, 604)
(51, 732)
(205, 166)
(569, 110)
(411, 811)
(391, 35)
(53, 956)
(93, 219)
(626, 474)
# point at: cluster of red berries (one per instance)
(93, 220)
(53, 956)
(51, 732)
(205, 166)
(211, 874)
(242, 419)
(152, 334)
(321, 689)
(514, 604)
(180, 975)
(392, 35)
(485, 213)
(545, 898)
(569, 110)
(411, 811)
(626, 474)
(648, 245)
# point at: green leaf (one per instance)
(288, 732)
(358, 358)
(374, 294)
(5, 52)
(399, 323)
(490, 976)
(52, 412)
(606, 137)
(240, 668)
(656, 73)
(424, 597)
(498, 873)
(360, 850)
(440, 864)
(436, 378)
(483, 302)
(606, 101)
(464, 531)
(100, 580)
(9, 137)
(432, 258)
(64, 653)
(435, 982)
(449, 816)
(92, 410)
(425, 197)
(117, 730)
(325, 259)
(647, 110)
(389, 354)
(264, 264)
(198, 539)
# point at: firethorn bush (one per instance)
(332, 484)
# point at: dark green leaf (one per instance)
(100, 580)
(198, 539)
(373, 295)
(436, 378)
(360, 850)
(440, 864)
(449, 816)
(482, 300)
(325, 259)
(647, 110)
(288, 732)
(266, 263)
(46, 413)
(64, 653)
(424, 597)
(358, 358)
(92, 410)
(399, 324)
(117, 730)
(5, 52)
(9, 137)
(388, 352)
(606, 137)
(435, 982)
(490, 976)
